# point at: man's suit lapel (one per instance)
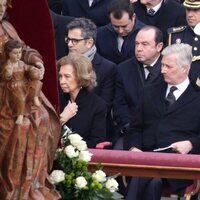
(158, 94)
(155, 73)
(187, 96)
(96, 62)
(140, 69)
(113, 39)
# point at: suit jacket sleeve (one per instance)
(107, 92)
(121, 110)
(98, 129)
(133, 136)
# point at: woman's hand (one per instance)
(69, 111)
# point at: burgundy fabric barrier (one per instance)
(32, 20)
(145, 158)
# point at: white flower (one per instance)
(59, 150)
(70, 151)
(57, 176)
(85, 156)
(81, 145)
(80, 182)
(100, 176)
(111, 185)
(74, 138)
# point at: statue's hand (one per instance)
(40, 66)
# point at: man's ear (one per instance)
(160, 46)
(185, 68)
(90, 42)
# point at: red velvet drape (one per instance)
(32, 20)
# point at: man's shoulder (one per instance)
(138, 25)
(174, 30)
(100, 60)
(173, 5)
(105, 29)
(96, 101)
(176, 34)
(157, 86)
(130, 63)
(196, 85)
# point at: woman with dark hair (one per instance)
(81, 110)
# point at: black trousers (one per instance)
(142, 188)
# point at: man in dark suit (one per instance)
(116, 40)
(168, 115)
(60, 25)
(188, 35)
(96, 10)
(81, 38)
(134, 74)
(161, 13)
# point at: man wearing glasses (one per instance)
(115, 41)
(81, 37)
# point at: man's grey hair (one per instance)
(183, 53)
(88, 28)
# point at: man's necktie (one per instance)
(170, 97)
(94, 2)
(149, 68)
(151, 12)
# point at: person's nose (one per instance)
(120, 30)
(138, 47)
(61, 80)
(69, 44)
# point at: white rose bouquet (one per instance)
(71, 176)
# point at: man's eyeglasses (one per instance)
(74, 40)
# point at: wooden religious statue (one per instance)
(27, 143)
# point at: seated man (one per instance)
(116, 40)
(167, 115)
(133, 75)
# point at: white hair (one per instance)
(183, 53)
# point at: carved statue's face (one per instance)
(15, 54)
(3, 7)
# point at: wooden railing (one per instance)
(147, 164)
